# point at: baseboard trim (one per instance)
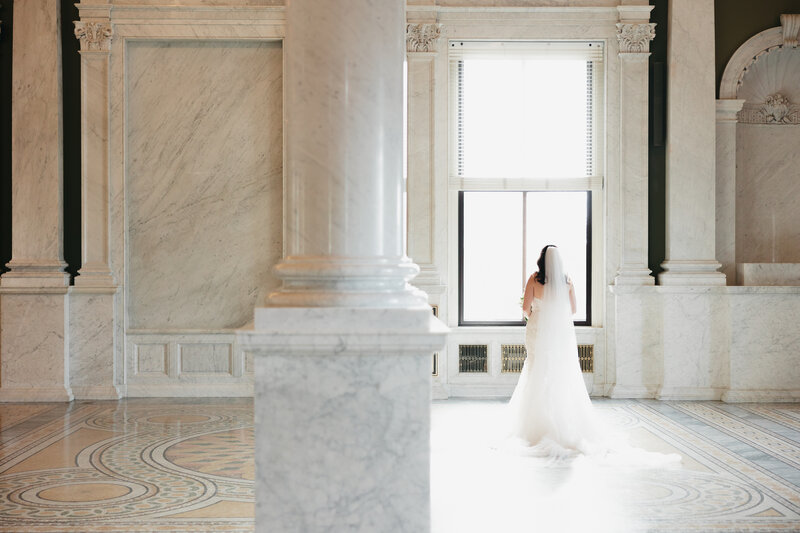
(189, 390)
(762, 395)
(689, 393)
(35, 394)
(96, 392)
(622, 391)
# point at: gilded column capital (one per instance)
(422, 37)
(635, 38)
(94, 36)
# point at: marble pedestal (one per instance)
(91, 343)
(342, 407)
(34, 363)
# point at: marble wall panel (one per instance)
(696, 341)
(205, 358)
(91, 345)
(767, 188)
(203, 181)
(151, 359)
(637, 363)
(764, 345)
(33, 356)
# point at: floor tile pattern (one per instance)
(187, 465)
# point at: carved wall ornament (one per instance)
(635, 38)
(94, 36)
(422, 37)
(777, 109)
(791, 27)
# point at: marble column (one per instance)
(342, 351)
(691, 133)
(34, 308)
(92, 297)
(422, 39)
(727, 118)
(634, 34)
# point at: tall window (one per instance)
(524, 162)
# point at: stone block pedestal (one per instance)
(342, 406)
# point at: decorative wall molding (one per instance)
(775, 110)
(635, 38)
(94, 36)
(791, 27)
(422, 37)
(759, 45)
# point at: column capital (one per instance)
(423, 37)
(635, 38)
(727, 110)
(94, 36)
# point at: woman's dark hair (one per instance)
(541, 276)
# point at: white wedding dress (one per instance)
(550, 410)
(550, 413)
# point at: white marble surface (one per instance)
(91, 345)
(36, 146)
(203, 181)
(634, 168)
(691, 131)
(638, 345)
(696, 333)
(780, 274)
(95, 270)
(342, 442)
(34, 363)
(767, 190)
(725, 241)
(344, 157)
(763, 353)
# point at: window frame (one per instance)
(593, 185)
(521, 321)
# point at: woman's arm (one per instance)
(528, 299)
(572, 301)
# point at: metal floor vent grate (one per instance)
(473, 358)
(586, 357)
(513, 357)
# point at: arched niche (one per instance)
(765, 73)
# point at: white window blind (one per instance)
(524, 109)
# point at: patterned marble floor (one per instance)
(187, 465)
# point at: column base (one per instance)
(35, 394)
(685, 273)
(343, 417)
(429, 280)
(35, 274)
(637, 276)
(95, 279)
(347, 282)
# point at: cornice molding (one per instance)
(94, 36)
(635, 38)
(422, 37)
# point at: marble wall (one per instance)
(767, 190)
(203, 181)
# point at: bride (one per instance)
(550, 409)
